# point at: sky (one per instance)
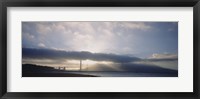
(112, 41)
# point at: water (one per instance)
(124, 74)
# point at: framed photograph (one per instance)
(89, 49)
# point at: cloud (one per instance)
(41, 45)
(28, 36)
(136, 25)
(80, 36)
(163, 57)
(74, 55)
(166, 55)
(52, 57)
(43, 28)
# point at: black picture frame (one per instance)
(98, 3)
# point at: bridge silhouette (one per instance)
(64, 68)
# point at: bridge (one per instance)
(64, 68)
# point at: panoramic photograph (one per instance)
(99, 49)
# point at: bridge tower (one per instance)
(80, 65)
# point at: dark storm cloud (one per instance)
(58, 54)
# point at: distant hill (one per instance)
(36, 68)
